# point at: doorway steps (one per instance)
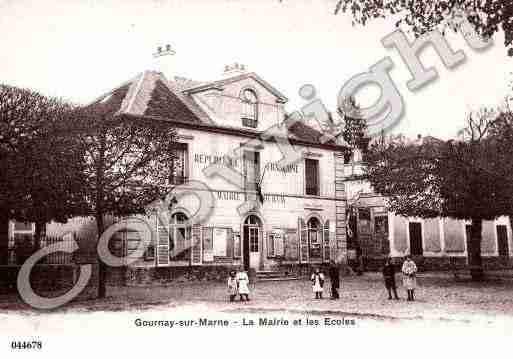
(274, 276)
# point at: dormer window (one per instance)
(249, 108)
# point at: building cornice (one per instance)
(237, 132)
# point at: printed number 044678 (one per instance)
(26, 345)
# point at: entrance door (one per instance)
(314, 239)
(415, 238)
(502, 240)
(251, 244)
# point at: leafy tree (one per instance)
(128, 164)
(355, 126)
(54, 165)
(501, 133)
(432, 178)
(421, 16)
(39, 166)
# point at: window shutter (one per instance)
(237, 250)
(196, 244)
(279, 244)
(162, 241)
(229, 243)
(270, 245)
(303, 241)
(220, 241)
(326, 241)
(208, 245)
(291, 245)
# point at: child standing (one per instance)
(232, 286)
(409, 277)
(243, 284)
(389, 276)
(317, 283)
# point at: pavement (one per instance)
(439, 297)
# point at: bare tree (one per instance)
(129, 161)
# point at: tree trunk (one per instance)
(39, 235)
(102, 267)
(4, 237)
(100, 195)
(474, 250)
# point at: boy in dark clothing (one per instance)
(334, 279)
(389, 276)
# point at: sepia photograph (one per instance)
(256, 178)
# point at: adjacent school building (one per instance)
(438, 243)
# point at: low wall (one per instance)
(446, 263)
(62, 277)
(163, 275)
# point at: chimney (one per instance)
(233, 70)
(163, 60)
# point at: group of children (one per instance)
(238, 282)
(409, 272)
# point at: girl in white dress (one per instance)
(243, 284)
(409, 270)
(317, 283)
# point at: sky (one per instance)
(80, 49)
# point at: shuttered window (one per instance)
(311, 177)
(179, 171)
(219, 242)
(276, 243)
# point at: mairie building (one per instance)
(278, 217)
(287, 218)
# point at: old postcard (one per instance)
(325, 177)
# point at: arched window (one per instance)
(179, 237)
(314, 238)
(249, 108)
(252, 221)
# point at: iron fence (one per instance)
(23, 246)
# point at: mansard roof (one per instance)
(150, 95)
